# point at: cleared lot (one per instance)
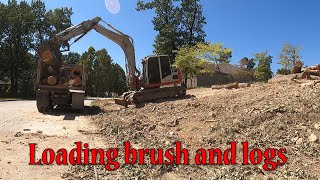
(21, 124)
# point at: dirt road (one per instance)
(21, 124)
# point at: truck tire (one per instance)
(43, 101)
(182, 92)
(78, 101)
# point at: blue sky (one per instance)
(245, 26)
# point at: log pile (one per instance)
(64, 77)
(54, 73)
(298, 74)
(306, 73)
(235, 85)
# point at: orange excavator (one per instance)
(158, 79)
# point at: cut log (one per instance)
(297, 67)
(77, 82)
(52, 80)
(227, 86)
(304, 75)
(315, 77)
(244, 85)
(47, 56)
(76, 72)
(316, 67)
(309, 84)
(313, 72)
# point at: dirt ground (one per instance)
(21, 124)
(278, 115)
(265, 115)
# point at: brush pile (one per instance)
(299, 75)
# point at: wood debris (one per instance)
(235, 85)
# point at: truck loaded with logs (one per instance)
(64, 85)
(59, 84)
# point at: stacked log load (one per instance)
(66, 76)
(55, 73)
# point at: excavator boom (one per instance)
(123, 40)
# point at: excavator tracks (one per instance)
(138, 97)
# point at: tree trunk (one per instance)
(12, 87)
(185, 82)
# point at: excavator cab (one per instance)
(157, 71)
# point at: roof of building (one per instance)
(227, 68)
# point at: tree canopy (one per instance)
(104, 76)
(247, 63)
(289, 54)
(263, 70)
(199, 58)
(214, 53)
(179, 23)
(23, 27)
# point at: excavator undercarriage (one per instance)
(138, 97)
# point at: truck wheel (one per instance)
(40, 109)
(43, 101)
(181, 92)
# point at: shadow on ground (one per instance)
(71, 115)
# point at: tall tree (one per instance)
(48, 23)
(103, 80)
(179, 23)
(192, 22)
(187, 61)
(16, 40)
(289, 54)
(263, 71)
(58, 19)
(22, 27)
(166, 22)
(119, 76)
(103, 75)
(198, 59)
(71, 58)
(3, 56)
(40, 25)
(251, 64)
(247, 63)
(87, 59)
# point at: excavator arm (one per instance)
(80, 30)
(126, 43)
